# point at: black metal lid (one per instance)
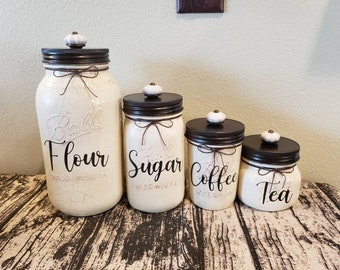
(75, 55)
(283, 152)
(201, 131)
(141, 105)
(152, 102)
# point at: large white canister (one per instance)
(79, 115)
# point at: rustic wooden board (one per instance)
(33, 235)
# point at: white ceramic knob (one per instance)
(270, 136)
(152, 90)
(75, 40)
(215, 117)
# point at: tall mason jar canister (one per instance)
(154, 149)
(79, 115)
(214, 160)
(269, 176)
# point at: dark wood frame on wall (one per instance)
(200, 6)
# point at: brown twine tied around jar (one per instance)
(166, 123)
(78, 73)
(205, 149)
(263, 171)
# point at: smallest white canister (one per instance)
(214, 160)
(269, 178)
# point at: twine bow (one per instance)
(263, 171)
(146, 124)
(205, 149)
(78, 73)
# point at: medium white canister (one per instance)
(269, 179)
(79, 115)
(214, 160)
(154, 149)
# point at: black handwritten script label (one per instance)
(71, 159)
(217, 177)
(63, 128)
(272, 196)
(155, 168)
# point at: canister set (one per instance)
(86, 152)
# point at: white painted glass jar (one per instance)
(154, 149)
(214, 160)
(79, 115)
(269, 179)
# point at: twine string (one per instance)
(263, 171)
(216, 151)
(147, 124)
(78, 73)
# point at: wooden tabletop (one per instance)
(34, 235)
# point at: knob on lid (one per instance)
(215, 129)
(75, 55)
(75, 40)
(152, 90)
(270, 148)
(215, 117)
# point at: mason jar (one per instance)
(214, 149)
(154, 149)
(79, 116)
(269, 179)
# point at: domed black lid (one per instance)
(201, 131)
(147, 104)
(75, 55)
(283, 152)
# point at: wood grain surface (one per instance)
(34, 235)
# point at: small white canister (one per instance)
(269, 179)
(214, 160)
(154, 149)
(78, 106)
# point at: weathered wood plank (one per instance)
(304, 237)
(224, 241)
(34, 235)
(15, 192)
(140, 239)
